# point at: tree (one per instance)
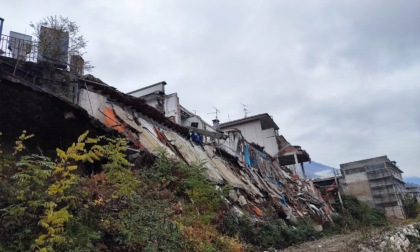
(58, 39)
(411, 206)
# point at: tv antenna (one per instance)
(216, 111)
(246, 111)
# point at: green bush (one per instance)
(270, 234)
(411, 206)
(357, 214)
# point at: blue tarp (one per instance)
(196, 138)
(246, 154)
(284, 200)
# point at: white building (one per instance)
(259, 129)
(263, 131)
(169, 105)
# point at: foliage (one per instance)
(362, 214)
(60, 199)
(200, 207)
(411, 206)
(91, 198)
(19, 143)
(53, 205)
(275, 233)
(355, 215)
(117, 169)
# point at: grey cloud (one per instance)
(339, 77)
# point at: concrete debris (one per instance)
(242, 201)
(318, 228)
(238, 213)
(232, 196)
(395, 240)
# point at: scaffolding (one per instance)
(386, 185)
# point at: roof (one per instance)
(265, 118)
(374, 163)
(140, 89)
(412, 185)
(373, 160)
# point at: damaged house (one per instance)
(262, 132)
(58, 110)
(169, 105)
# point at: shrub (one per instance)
(411, 206)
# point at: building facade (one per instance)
(169, 105)
(413, 190)
(263, 131)
(377, 181)
(258, 129)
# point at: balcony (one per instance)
(382, 174)
(382, 183)
(385, 200)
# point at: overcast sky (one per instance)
(340, 78)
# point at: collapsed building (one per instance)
(59, 106)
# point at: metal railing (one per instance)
(20, 49)
(385, 200)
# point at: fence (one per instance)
(20, 49)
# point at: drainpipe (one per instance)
(338, 190)
(1, 34)
(1, 26)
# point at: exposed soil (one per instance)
(342, 242)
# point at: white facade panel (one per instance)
(253, 133)
(172, 110)
(93, 103)
(149, 90)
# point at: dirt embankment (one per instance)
(398, 237)
(342, 242)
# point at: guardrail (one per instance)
(20, 49)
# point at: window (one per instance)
(194, 125)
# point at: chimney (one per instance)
(216, 125)
(77, 65)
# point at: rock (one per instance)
(406, 243)
(242, 201)
(318, 228)
(233, 196)
(238, 213)
(382, 245)
(402, 236)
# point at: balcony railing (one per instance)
(20, 49)
(382, 174)
(381, 183)
(385, 200)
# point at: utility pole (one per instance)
(338, 188)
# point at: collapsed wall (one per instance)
(255, 177)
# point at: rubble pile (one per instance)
(395, 240)
(255, 176)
